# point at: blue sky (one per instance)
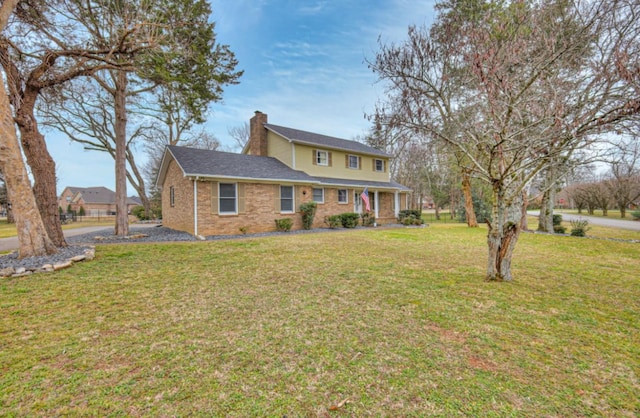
(303, 65)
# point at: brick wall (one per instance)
(258, 212)
(179, 216)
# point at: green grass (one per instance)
(595, 231)
(387, 322)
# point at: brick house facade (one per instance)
(216, 193)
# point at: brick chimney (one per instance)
(258, 134)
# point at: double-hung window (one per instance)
(322, 158)
(354, 162)
(343, 196)
(378, 165)
(286, 199)
(228, 198)
(318, 195)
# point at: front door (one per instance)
(358, 205)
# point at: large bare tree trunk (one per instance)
(503, 234)
(524, 222)
(43, 168)
(545, 220)
(32, 236)
(470, 213)
(120, 92)
(137, 181)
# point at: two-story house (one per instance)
(218, 193)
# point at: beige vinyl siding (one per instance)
(305, 158)
(279, 148)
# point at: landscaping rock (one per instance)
(64, 265)
(7, 272)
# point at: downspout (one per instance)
(195, 207)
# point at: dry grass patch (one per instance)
(394, 322)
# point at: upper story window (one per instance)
(378, 165)
(318, 195)
(228, 198)
(322, 157)
(286, 199)
(353, 161)
(172, 196)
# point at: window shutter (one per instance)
(329, 158)
(359, 163)
(314, 156)
(214, 197)
(346, 161)
(241, 208)
(276, 199)
(373, 164)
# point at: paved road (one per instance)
(11, 243)
(596, 220)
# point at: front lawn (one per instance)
(386, 322)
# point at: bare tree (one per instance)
(32, 236)
(624, 176)
(240, 135)
(514, 87)
(171, 65)
(43, 49)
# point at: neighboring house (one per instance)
(217, 193)
(96, 201)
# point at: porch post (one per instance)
(396, 206)
(376, 211)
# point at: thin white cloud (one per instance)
(312, 9)
(304, 67)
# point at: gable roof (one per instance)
(98, 195)
(196, 162)
(324, 141)
(203, 163)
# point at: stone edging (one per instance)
(89, 254)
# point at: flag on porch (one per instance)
(365, 199)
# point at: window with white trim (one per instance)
(228, 199)
(322, 157)
(343, 196)
(318, 195)
(286, 199)
(379, 165)
(354, 162)
(172, 196)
